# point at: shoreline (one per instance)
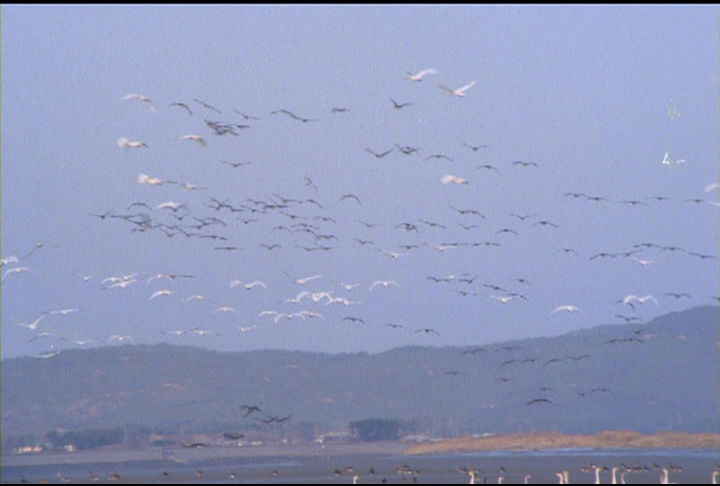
(557, 440)
(508, 442)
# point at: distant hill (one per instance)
(663, 375)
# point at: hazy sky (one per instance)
(590, 99)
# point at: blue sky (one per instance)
(594, 96)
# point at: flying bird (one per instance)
(474, 148)
(195, 138)
(15, 270)
(456, 92)
(451, 179)
(141, 98)
(379, 155)
(182, 105)
(398, 106)
(427, 330)
(160, 293)
(209, 107)
(419, 76)
(539, 400)
(384, 283)
(351, 196)
(569, 308)
(125, 143)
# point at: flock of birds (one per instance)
(314, 225)
(409, 474)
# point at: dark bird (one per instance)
(250, 409)
(439, 156)
(293, 116)
(209, 107)
(351, 196)
(427, 330)
(379, 155)
(539, 400)
(102, 216)
(182, 105)
(525, 164)
(398, 106)
(235, 165)
(474, 148)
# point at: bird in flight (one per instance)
(351, 196)
(293, 116)
(427, 330)
(15, 270)
(161, 293)
(456, 92)
(525, 164)
(379, 155)
(182, 105)
(209, 107)
(539, 400)
(474, 148)
(139, 97)
(419, 76)
(569, 308)
(451, 179)
(195, 138)
(384, 283)
(125, 143)
(399, 106)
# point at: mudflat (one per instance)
(557, 440)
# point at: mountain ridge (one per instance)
(651, 377)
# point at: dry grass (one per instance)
(555, 440)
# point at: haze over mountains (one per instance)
(656, 376)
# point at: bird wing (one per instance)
(466, 87)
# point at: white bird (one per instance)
(569, 308)
(203, 332)
(197, 297)
(448, 179)
(384, 283)
(15, 270)
(170, 205)
(160, 293)
(139, 97)
(225, 309)
(121, 339)
(146, 179)
(420, 75)
(349, 287)
(506, 298)
(11, 259)
(125, 143)
(248, 286)
(195, 138)
(81, 342)
(245, 329)
(64, 312)
(668, 161)
(123, 284)
(628, 299)
(303, 281)
(32, 325)
(645, 262)
(456, 92)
